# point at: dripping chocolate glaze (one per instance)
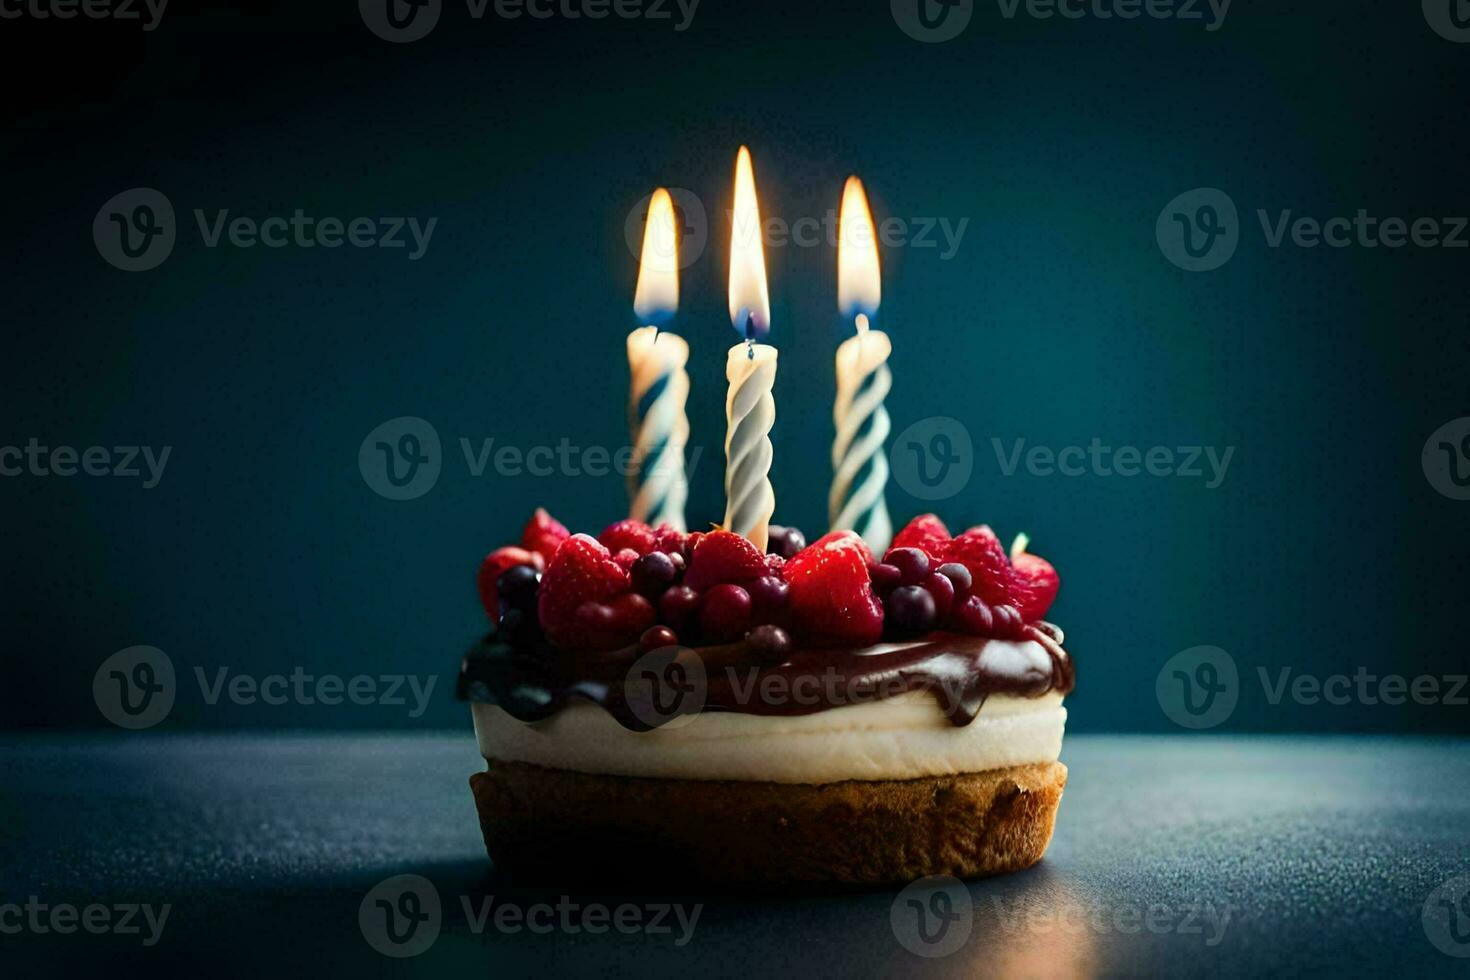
(958, 670)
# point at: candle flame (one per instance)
(657, 295)
(750, 301)
(859, 284)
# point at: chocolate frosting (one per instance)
(646, 690)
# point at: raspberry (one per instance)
(832, 600)
(581, 572)
(625, 558)
(982, 554)
(628, 534)
(1036, 584)
(722, 557)
(925, 532)
(543, 534)
(774, 564)
(496, 562)
(669, 540)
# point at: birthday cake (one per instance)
(651, 699)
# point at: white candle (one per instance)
(750, 411)
(657, 485)
(750, 408)
(863, 382)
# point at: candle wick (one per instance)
(750, 336)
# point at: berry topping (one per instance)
(785, 541)
(1035, 584)
(832, 600)
(885, 577)
(769, 645)
(653, 573)
(517, 587)
(625, 558)
(656, 638)
(582, 572)
(722, 557)
(491, 568)
(769, 596)
(912, 563)
(691, 541)
(925, 532)
(941, 588)
(628, 534)
(543, 534)
(775, 564)
(982, 554)
(973, 616)
(1008, 622)
(908, 610)
(679, 608)
(519, 628)
(669, 539)
(724, 614)
(957, 574)
(616, 623)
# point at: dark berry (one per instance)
(678, 608)
(958, 574)
(519, 628)
(1008, 622)
(677, 557)
(656, 638)
(768, 597)
(632, 614)
(517, 587)
(769, 645)
(942, 589)
(973, 616)
(653, 573)
(785, 541)
(909, 609)
(724, 613)
(885, 577)
(912, 564)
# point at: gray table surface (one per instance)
(1181, 855)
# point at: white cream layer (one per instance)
(905, 737)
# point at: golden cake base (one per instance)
(555, 823)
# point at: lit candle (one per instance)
(750, 408)
(657, 485)
(859, 465)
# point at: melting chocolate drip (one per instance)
(958, 670)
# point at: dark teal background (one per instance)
(1059, 320)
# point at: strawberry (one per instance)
(1036, 585)
(723, 557)
(668, 540)
(496, 562)
(628, 534)
(832, 600)
(581, 572)
(982, 554)
(925, 532)
(544, 534)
